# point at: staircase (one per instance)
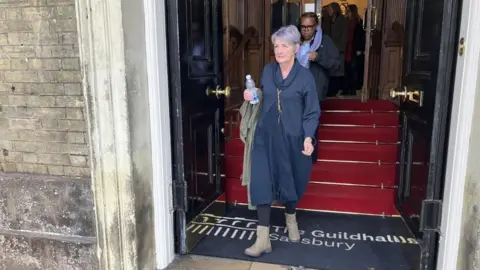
(357, 157)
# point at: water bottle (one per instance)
(250, 84)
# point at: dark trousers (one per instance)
(335, 84)
(351, 78)
(360, 62)
(263, 212)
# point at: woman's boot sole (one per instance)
(258, 255)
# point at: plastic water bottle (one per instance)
(250, 84)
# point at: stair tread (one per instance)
(355, 104)
(337, 151)
(361, 118)
(362, 134)
(358, 152)
(335, 172)
(354, 173)
(332, 198)
(387, 134)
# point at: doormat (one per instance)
(329, 240)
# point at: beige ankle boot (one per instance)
(292, 228)
(262, 244)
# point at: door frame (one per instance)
(467, 71)
(465, 84)
(161, 143)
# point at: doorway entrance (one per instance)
(380, 162)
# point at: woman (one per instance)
(283, 139)
(354, 51)
(338, 31)
(317, 52)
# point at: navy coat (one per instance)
(326, 62)
(279, 170)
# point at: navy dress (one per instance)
(279, 170)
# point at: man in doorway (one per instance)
(326, 21)
(339, 31)
(319, 54)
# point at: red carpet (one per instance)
(356, 168)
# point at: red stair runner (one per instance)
(356, 167)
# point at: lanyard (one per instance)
(279, 107)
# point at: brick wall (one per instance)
(42, 115)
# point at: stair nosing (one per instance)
(379, 162)
(361, 111)
(345, 142)
(359, 142)
(351, 185)
(365, 126)
(336, 184)
(338, 125)
(320, 210)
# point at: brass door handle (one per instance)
(394, 93)
(365, 20)
(374, 18)
(218, 92)
(412, 95)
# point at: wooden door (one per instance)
(429, 60)
(393, 40)
(373, 47)
(197, 101)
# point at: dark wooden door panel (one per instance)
(414, 170)
(424, 25)
(201, 39)
(393, 40)
(195, 64)
(429, 56)
(373, 46)
(202, 182)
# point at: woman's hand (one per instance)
(312, 56)
(307, 147)
(247, 95)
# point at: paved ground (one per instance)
(193, 262)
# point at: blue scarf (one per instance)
(302, 56)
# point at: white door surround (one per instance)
(157, 68)
(133, 208)
(465, 87)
